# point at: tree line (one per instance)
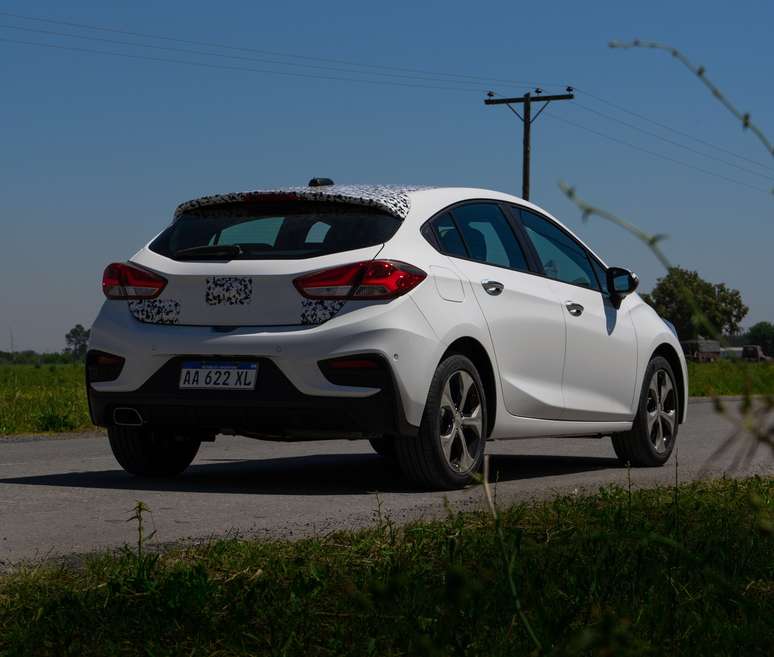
(721, 305)
(76, 344)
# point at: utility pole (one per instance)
(527, 99)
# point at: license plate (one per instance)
(218, 375)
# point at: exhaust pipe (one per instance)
(127, 417)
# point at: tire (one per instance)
(449, 449)
(653, 435)
(384, 446)
(149, 453)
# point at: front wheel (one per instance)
(654, 431)
(449, 449)
(151, 453)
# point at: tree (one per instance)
(762, 334)
(77, 340)
(678, 295)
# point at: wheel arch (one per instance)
(476, 352)
(667, 351)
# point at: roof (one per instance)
(394, 199)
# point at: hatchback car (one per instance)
(426, 320)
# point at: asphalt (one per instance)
(66, 495)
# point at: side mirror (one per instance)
(620, 284)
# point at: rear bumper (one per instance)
(276, 408)
(397, 332)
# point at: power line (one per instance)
(275, 53)
(366, 81)
(674, 130)
(451, 76)
(235, 68)
(671, 141)
(659, 155)
(222, 55)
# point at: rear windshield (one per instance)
(256, 231)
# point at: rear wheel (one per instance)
(152, 453)
(449, 449)
(654, 432)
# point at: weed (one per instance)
(726, 377)
(144, 563)
(607, 574)
(42, 399)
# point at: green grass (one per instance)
(49, 398)
(724, 377)
(688, 571)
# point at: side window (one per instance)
(448, 236)
(488, 235)
(562, 257)
(601, 275)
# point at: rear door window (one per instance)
(449, 238)
(488, 235)
(563, 258)
(260, 231)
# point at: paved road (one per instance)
(63, 496)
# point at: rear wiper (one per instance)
(222, 250)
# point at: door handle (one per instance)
(492, 287)
(575, 309)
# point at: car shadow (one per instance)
(320, 474)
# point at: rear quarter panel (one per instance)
(446, 298)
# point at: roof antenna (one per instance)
(321, 182)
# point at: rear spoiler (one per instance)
(392, 199)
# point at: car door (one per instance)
(525, 321)
(600, 364)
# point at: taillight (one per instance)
(123, 281)
(373, 279)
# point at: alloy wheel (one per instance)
(461, 421)
(661, 411)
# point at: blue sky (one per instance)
(97, 150)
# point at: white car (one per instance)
(427, 320)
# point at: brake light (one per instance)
(373, 279)
(123, 281)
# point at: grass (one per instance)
(49, 398)
(724, 377)
(686, 571)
